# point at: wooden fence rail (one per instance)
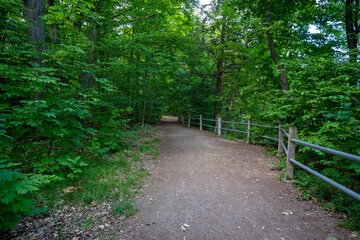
(289, 150)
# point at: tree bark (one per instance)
(273, 52)
(352, 27)
(34, 11)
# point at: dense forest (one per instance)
(78, 75)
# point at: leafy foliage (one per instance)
(15, 189)
(72, 94)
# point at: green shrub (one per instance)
(62, 166)
(16, 189)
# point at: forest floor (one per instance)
(206, 187)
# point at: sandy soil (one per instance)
(220, 189)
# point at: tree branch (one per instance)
(149, 16)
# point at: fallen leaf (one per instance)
(72, 189)
(287, 212)
(184, 227)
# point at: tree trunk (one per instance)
(144, 100)
(145, 77)
(352, 27)
(265, 95)
(87, 78)
(220, 69)
(273, 52)
(34, 11)
(352, 32)
(229, 112)
(152, 104)
(53, 29)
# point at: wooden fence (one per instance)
(289, 150)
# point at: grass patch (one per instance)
(125, 207)
(149, 148)
(115, 180)
(350, 224)
(230, 136)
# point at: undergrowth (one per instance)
(110, 171)
(331, 199)
(311, 187)
(116, 179)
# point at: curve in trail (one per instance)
(222, 190)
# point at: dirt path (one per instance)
(223, 190)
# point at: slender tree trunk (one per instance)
(137, 77)
(229, 113)
(152, 101)
(265, 96)
(273, 52)
(87, 79)
(152, 105)
(144, 100)
(53, 28)
(220, 68)
(145, 77)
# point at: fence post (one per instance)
(249, 132)
(219, 126)
(200, 122)
(280, 138)
(189, 121)
(291, 154)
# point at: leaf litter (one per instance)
(68, 222)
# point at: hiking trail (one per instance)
(206, 187)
